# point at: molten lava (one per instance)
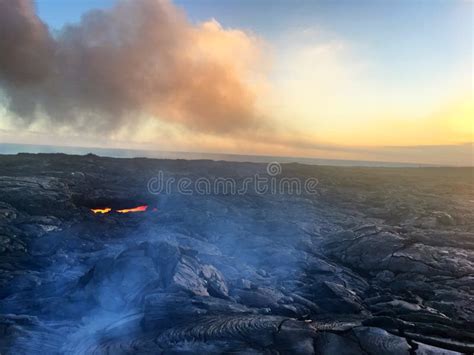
(135, 209)
(101, 210)
(126, 210)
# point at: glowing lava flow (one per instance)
(101, 210)
(135, 209)
(127, 210)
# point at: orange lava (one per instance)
(135, 209)
(101, 210)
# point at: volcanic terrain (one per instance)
(376, 261)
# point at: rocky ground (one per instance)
(378, 261)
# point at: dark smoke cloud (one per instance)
(25, 44)
(140, 58)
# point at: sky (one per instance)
(370, 80)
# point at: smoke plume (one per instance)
(138, 59)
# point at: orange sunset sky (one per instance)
(368, 80)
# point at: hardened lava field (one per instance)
(378, 261)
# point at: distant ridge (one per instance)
(13, 148)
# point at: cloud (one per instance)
(140, 74)
(25, 44)
(137, 59)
